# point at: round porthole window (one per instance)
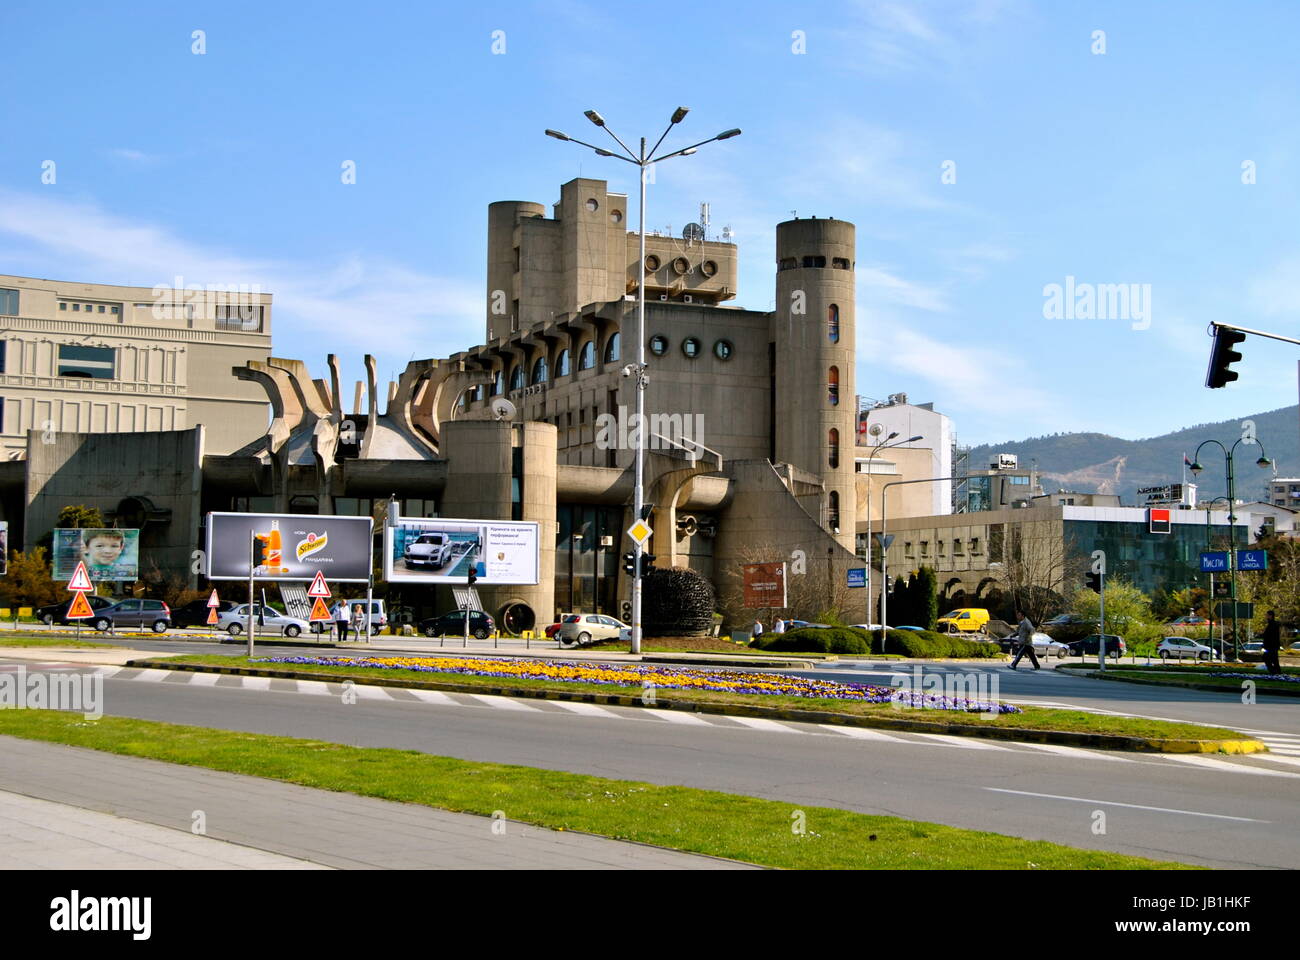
(592, 205)
(651, 263)
(616, 216)
(709, 268)
(723, 349)
(681, 265)
(658, 345)
(691, 347)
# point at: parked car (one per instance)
(1068, 628)
(964, 620)
(134, 613)
(1044, 646)
(552, 630)
(195, 613)
(1191, 620)
(452, 624)
(428, 550)
(583, 628)
(1295, 647)
(233, 621)
(1090, 646)
(57, 612)
(1182, 648)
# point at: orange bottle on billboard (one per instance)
(274, 551)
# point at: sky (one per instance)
(985, 149)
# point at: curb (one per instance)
(1192, 685)
(1104, 741)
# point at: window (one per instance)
(833, 323)
(62, 305)
(833, 448)
(833, 386)
(499, 383)
(957, 547)
(814, 261)
(658, 345)
(2, 361)
(539, 370)
(942, 547)
(834, 512)
(9, 302)
(587, 355)
(723, 349)
(908, 549)
(691, 347)
(975, 545)
(517, 378)
(925, 548)
(787, 263)
(651, 263)
(613, 348)
(562, 364)
(79, 361)
(840, 263)
(244, 316)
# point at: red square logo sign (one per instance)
(1158, 521)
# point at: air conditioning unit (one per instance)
(663, 296)
(687, 298)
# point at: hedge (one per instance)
(909, 643)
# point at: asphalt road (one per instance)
(1227, 812)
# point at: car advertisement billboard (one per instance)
(288, 546)
(109, 553)
(444, 551)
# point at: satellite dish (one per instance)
(692, 231)
(876, 429)
(503, 409)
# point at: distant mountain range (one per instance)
(1098, 463)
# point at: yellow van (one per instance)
(964, 620)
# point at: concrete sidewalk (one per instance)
(85, 809)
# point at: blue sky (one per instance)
(1119, 167)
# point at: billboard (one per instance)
(444, 551)
(764, 585)
(288, 546)
(109, 553)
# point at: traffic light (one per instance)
(1222, 356)
(471, 577)
(1093, 581)
(629, 563)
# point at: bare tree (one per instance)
(1039, 567)
(815, 587)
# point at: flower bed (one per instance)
(1283, 677)
(647, 675)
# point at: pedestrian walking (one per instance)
(360, 626)
(341, 620)
(757, 630)
(779, 626)
(1025, 638)
(1272, 638)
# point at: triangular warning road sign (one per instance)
(80, 579)
(319, 611)
(213, 602)
(212, 615)
(318, 586)
(80, 608)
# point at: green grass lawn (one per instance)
(45, 640)
(1033, 718)
(682, 818)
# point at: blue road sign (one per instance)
(1216, 562)
(857, 576)
(1252, 559)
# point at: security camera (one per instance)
(629, 370)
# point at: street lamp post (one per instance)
(1263, 462)
(1209, 546)
(884, 554)
(883, 445)
(642, 160)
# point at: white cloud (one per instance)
(360, 304)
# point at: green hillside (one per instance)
(1096, 462)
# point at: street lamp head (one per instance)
(1263, 462)
(687, 152)
(892, 435)
(915, 438)
(1196, 468)
(728, 134)
(603, 153)
(680, 114)
(557, 135)
(594, 117)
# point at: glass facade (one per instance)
(1150, 560)
(587, 559)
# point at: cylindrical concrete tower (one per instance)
(502, 264)
(815, 404)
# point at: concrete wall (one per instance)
(101, 470)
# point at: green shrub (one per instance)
(927, 644)
(810, 640)
(846, 640)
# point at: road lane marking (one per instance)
(860, 733)
(204, 679)
(314, 686)
(673, 716)
(758, 723)
(1075, 752)
(1212, 764)
(586, 709)
(968, 743)
(502, 703)
(153, 676)
(433, 696)
(1131, 806)
(257, 683)
(368, 692)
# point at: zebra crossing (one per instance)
(1283, 760)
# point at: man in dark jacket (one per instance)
(1025, 637)
(1272, 638)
